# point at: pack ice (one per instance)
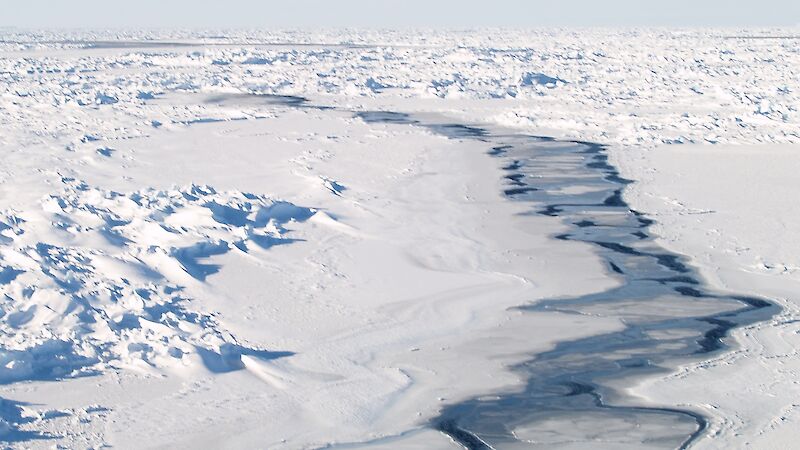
(285, 239)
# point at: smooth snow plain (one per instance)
(193, 256)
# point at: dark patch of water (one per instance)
(660, 293)
(670, 317)
(258, 99)
(385, 117)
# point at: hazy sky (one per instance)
(399, 13)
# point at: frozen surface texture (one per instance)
(638, 87)
(206, 241)
(732, 207)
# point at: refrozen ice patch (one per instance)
(98, 279)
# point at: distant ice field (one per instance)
(428, 239)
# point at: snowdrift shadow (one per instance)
(229, 358)
(80, 310)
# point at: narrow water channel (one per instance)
(573, 395)
(671, 316)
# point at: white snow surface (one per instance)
(196, 267)
(733, 209)
(636, 87)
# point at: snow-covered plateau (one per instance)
(399, 239)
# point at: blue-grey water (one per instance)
(671, 316)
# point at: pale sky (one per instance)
(399, 13)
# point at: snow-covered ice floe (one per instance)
(95, 278)
(356, 238)
(739, 228)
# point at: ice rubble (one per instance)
(634, 87)
(96, 279)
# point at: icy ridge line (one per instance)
(624, 87)
(108, 287)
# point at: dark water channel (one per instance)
(671, 317)
(572, 396)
